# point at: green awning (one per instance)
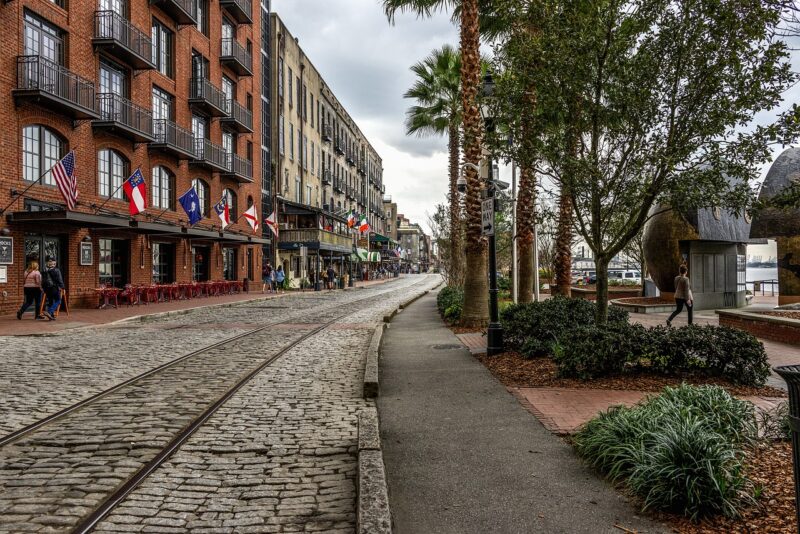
(363, 255)
(378, 238)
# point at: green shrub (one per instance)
(593, 351)
(774, 422)
(680, 451)
(453, 313)
(503, 283)
(449, 296)
(546, 321)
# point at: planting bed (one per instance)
(644, 304)
(511, 369)
(777, 325)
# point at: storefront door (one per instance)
(200, 265)
(112, 262)
(38, 247)
(229, 263)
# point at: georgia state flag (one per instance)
(136, 192)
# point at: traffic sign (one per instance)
(487, 216)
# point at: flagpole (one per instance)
(97, 209)
(160, 214)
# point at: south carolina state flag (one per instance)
(136, 192)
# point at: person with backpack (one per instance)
(52, 284)
(266, 278)
(280, 276)
(32, 289)
(331, 274)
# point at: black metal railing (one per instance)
(112, 25)
(326, 177)
(243, 9)
(38, 73)
(166, 132)
(202, 89)
(240, 114)
(338, 146)
(115, 108)
(239, 166)
(184, 11)
(232, 49)
(327, 132)
(210, 153)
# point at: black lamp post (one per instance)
(494, 341)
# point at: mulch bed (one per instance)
(513, 370)
(769, 466)
(787, 314)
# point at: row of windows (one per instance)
(42, 148)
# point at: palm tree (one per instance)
(437, 91)
(476, 307)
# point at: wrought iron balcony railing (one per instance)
(183, 11)
(124, 117)
(204, 95)
(120, 38)
(236, 57)
(241, 10)
(171, 138)
(239, 168)
(211, 155)
(240, 118)
(53, 85)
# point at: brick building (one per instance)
(167, 86)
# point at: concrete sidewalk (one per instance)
(463, 456)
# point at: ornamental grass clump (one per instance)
(680, 451)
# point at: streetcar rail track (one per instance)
(36, 425)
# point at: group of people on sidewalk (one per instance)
(272, 279)
(48, 283)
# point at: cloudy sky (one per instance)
(366, 63)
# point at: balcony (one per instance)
(239, 168)
(207, 154)
(338, 146)
(182, 11)
(240, 118)
(236, 57)
(173, 139)
(362, 168)
(326, 177)
(49, 84)
(327, 133)
(119, 38)
(383, 192)
(337, 185)
(314, 239)
(241, 10)
(121, 116)
(207, 98)
(349, 158)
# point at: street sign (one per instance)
(487, 216)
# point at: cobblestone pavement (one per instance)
(279, 456)
(43, 375)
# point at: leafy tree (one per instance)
(437, 91)
(476, 310)
(647, 102)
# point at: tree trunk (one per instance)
(476, 287)
(526, 211)
(601, 266)
(563, 263)
(456, 252)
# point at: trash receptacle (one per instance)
(791, 374)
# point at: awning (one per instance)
(364, 255)
(378, 238)
(71, 218)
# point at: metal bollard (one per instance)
(791, 374)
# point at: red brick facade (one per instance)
(82, 58)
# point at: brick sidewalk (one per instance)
(475, 342)
(563, 410)
(83, 317)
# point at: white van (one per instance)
(627, 277)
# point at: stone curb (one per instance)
(371, 382)
(373, 514)
(173, 313)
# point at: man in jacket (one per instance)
(52, 284)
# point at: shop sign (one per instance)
(6, 250)
(86, 254)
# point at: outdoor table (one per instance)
(107, 293)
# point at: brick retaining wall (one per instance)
(763, 326)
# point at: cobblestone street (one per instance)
(278, 456)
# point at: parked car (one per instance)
(625, 277)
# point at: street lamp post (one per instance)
(494, 340)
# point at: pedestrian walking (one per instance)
(280, 276)
(52, 285)
(683, 295)
(32, 289)
(266, 278)
(331, 277)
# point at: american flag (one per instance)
(64, 174)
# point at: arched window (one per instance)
(230, 196)
(163, 188)
(112, 170)
(204, 194)
(249, 201)
(41, 149)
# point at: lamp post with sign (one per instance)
(494, 338)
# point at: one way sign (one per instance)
(487, 216)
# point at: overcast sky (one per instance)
(366, 62)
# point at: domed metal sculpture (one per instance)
(782, 225)
(712, 244)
